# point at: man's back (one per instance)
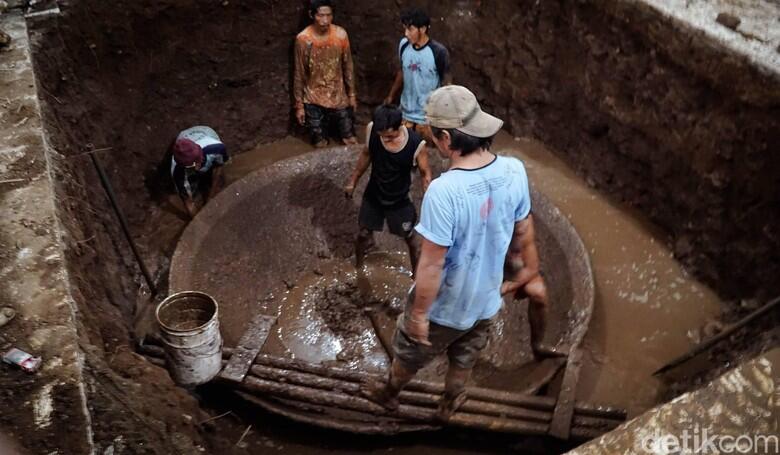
(473, 212)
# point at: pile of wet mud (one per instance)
(341, 307)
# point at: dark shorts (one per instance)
(320, 120)
(462, 346)
(401, 218)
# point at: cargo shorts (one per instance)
(462, 346)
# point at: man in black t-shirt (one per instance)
(392, 151)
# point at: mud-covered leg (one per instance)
(314, 122)
(362, 244)
(386, 394)
(345, 126)
(454, 392)
(538, 310)
(537, 317)
(413, 242)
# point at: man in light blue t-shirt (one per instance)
(424, 67)
(475, 220)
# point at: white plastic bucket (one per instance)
(189, 327)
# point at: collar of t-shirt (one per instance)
(404, 131)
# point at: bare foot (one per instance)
(321, 144)
(377, 392)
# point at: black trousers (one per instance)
(320, 120)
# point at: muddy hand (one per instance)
(536, 290)
(349, 190)
(510, 288)
(417, 329)
(300, 115)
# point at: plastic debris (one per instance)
(27, 362)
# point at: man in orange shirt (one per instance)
(324, 84)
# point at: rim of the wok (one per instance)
(545, 212)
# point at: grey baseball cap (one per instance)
(455, 107)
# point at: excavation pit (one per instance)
(657, 106)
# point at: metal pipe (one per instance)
(769, 306)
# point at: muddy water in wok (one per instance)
(648, 309)
(646, 306)
(279, 242)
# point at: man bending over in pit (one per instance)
(475, 218)
(392, 151)
(324, 82)
(196, 165)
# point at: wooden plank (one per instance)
(561, 424)
(249, 346)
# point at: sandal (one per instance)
(376, 392)
(448, 406)
(6, 315)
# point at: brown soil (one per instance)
(689, 145)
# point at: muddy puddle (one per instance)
(326, 317)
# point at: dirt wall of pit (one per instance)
(645, 108)
(646, 111)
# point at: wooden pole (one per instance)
(771, 305)
(492, 402)
(324, 391)
(421, 399)
(106, 183)
(341, 400)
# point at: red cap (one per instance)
(187, 153)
